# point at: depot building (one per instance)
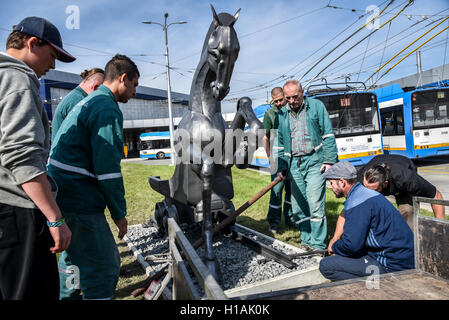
(146, 112)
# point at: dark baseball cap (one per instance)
(44, 30)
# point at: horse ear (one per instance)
(236, 15)
(216, 20)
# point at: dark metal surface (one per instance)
(306, 254)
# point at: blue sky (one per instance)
(277, 38)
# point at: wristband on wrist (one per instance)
(58, 223)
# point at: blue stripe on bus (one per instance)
(156, 134)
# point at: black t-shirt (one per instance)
(404, 177)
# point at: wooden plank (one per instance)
(404, 285)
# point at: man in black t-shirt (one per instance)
(395, 175)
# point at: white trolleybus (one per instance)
(354, 114)
(415, 121)
(155, 145)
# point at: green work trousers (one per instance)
(308, 189)
(275, 208)
(91, 264)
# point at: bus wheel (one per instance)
(160, 155)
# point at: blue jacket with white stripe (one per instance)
(373, 226)
(85, 157)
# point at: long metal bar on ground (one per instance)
(305, 254)
(265, 250)
(236, 213)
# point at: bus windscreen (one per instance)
(352, 113)
(430, 108)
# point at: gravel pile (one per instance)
(239, 264)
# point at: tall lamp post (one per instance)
(170, 116)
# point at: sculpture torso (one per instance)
(210, 85)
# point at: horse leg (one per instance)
(209, 255)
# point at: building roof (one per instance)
(72, 78)
(425, 77)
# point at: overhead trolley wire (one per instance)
(374, 67)
(444, 56)
(410, 53)
(342, 42)
(363, 60)
(385, 46)
(262, 29)
(360, 17)
(351, 61)
(280, 78)
(380, 68)
(394, 17)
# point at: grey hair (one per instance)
(295, 82)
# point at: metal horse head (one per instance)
(222, 51)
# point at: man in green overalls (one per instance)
(305, 148)
(92, 79)
(85, 162)
(275, 207)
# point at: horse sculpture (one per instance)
(201, 188)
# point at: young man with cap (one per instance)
(32, 228)
(275, 207)
(375, 238)
(85, 162)
(91, 80)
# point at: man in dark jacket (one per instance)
(376, 238)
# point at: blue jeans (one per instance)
(338, 268)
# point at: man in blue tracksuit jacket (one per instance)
(375, 237)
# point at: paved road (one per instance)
(149, 162)
(436, 171)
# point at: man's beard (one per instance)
(339, 194)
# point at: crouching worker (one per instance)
(375, 236)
